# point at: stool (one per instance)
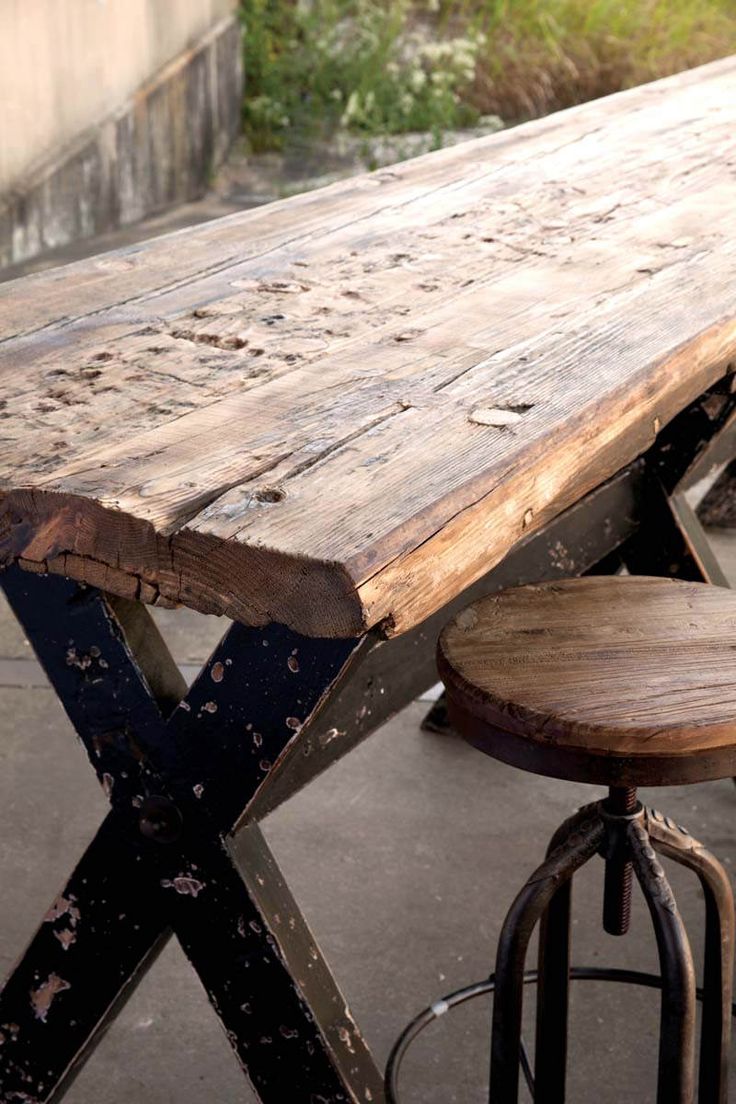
(623, 681)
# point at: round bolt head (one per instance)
(160, 820)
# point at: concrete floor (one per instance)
(404, 858)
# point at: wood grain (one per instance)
(284, 415)
(619, 669)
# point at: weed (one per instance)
(391, 66)
(375, 68)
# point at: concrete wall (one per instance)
(147, 91)
(66, 64)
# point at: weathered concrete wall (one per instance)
(111, 110)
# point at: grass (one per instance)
(391, 66)
(543, 55)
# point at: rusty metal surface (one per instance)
(583, 836)
(619, 877)
(676, 1081)
(617, 825)
(715, 1034)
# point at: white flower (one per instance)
(352, 108)
(406, 103)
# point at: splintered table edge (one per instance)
(78, 538)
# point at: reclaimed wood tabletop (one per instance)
(339, 410)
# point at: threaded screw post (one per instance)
(619, 879)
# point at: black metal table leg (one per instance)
(180, 779)
(264, 974)
(671, 539)
(97, 938)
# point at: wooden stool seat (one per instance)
(620, 680)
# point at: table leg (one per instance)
(97, 939)
(672, 539)
(266, 978)
(179, 781)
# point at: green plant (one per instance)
(389, 66)
(369, 66)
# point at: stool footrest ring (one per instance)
(481, 989)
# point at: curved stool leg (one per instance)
(553, 986)
(582, 836)
(553, 998)
(677, 1022)
(715, 1039)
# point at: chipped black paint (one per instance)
(680, 549)
(177, 785)
(117, 926)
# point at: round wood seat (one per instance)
(621, 680)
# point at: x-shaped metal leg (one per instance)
(181, 771)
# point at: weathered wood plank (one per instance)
(625, 675)
(342, 409)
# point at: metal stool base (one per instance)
(626, 840)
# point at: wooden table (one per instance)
(336, 419)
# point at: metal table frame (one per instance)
(190, 773)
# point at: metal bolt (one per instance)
(622, 801)
(160, 820)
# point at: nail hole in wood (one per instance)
(270, 494)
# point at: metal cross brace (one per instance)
(179, 780)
